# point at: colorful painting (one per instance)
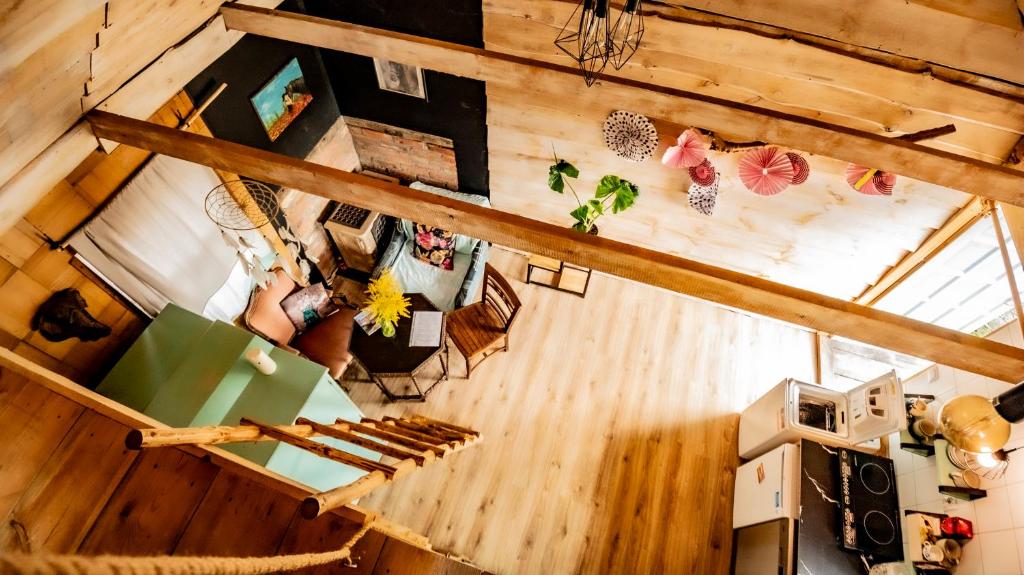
(283, 98)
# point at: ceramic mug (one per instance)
(951, 549)
(932, 552)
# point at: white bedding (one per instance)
(439, 286)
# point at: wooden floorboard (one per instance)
(59, 506)
(609, 432)
(33, 420)
(237, 517)
(152, 506)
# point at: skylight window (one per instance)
(963, 287)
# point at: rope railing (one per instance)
(47, 564)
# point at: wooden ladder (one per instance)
(412, 442)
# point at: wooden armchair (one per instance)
(481, 329)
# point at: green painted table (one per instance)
(188, 371)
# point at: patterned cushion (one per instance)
(434, 246)
(308, 306)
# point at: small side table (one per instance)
(392, 358)
(563, 276)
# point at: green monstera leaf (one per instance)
(625, 196)
(623, 192)
(608, 185)
(559, 170)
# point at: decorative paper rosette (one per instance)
(801, 169)
(879, 183)
(703, 173)
(884, 182)
(703, 198)
(766, 171)
(690, 150)
(630, 135)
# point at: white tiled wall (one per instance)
(998, 545)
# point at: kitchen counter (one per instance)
(817, 551)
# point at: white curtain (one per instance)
(155, 243)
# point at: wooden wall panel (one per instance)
(911, 29)
(42, 91)
(152, 506)
(33, 420)
(821, 236)
(58, 507)
(779, 74)
(35, 271)
(237, 517)
(137, 33)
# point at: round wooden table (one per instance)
(391, 357)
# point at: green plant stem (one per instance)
(554, 156)
(573, 190)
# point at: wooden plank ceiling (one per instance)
(822, 235)
(59, 58)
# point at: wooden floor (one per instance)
(609, 433)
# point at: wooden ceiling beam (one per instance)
(684, 276)
(956, 225)
(678, 106)
(904, 28)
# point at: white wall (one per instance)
(998, 546)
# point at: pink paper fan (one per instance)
(689, 151)
(801, 169)
(884, 182)
(766, 171)
(703, 173)
(855, 174)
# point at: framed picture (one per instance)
(281, 99)
(400, 78)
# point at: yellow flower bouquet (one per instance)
(386, 302)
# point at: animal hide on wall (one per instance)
(64, 316)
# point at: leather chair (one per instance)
(481, 329)
(325, 343)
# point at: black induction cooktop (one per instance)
(869, 509)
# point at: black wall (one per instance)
(456, 108)
(246, 67)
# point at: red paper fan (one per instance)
(801, 169)
(766, 171)
(884, 182)
(703, 174)
(689, 151)
(855, 173)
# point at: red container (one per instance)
(957, 528)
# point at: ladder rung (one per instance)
(449, 434)
(394, 427)
(443, 434)
(385, 434)
(446, 425)
(400, 453)
(322, 449)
